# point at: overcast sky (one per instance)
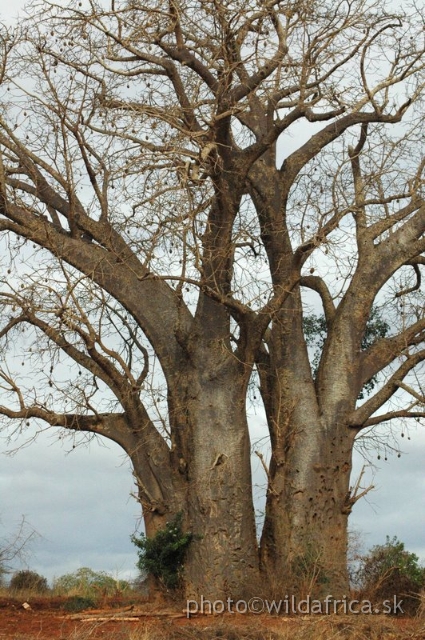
(79, 504)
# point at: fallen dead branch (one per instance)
(125, 615)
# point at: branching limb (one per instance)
(393, 415)
(418, 396)
(319, 285)
(270, 489)
(17, 546)
(298, 159)
(416, 286)
(356, 493)
(354, 153)
(361, 415)
(384, 351)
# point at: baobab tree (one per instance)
(179, 182)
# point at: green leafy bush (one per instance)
(162, 556)
(88, 583)
(389, 570)
(27, 580)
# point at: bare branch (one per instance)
(393, 415)
(361, 415)
(317, 284)
(415, 287)
(355, 494)
(419, 397)
(385, 350)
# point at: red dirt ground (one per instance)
(47, 620)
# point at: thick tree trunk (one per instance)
(303, 545)
(205, 473)
(161, 507)
(304, 542)
(222, 560)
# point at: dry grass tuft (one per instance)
(420, 613)
(312, 628)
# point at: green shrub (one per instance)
(390, 570)
(88, 583)
(27, 580)
(162, 556)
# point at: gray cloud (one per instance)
(80, 504)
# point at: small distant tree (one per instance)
(86, 582)
(15, 547)
(388, 570)
(27, 580)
